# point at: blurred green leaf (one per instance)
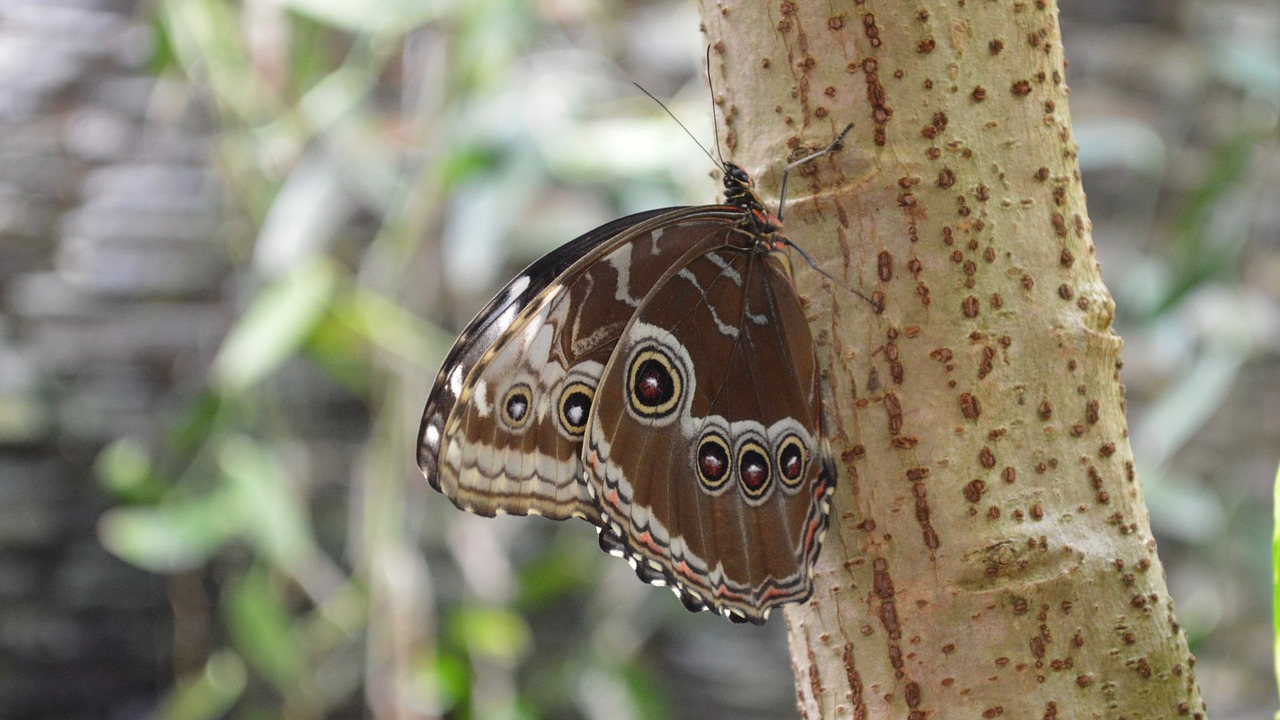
(274, 326)
(262, 628)
(208, 695)
(646, 695)
(1250, 66)
(547, 578)
(1132, 144)
(1181, 507)
(171, 537)
(275, 521)
(373, 17)
(393, 328)
(492, 632)
(311, 51)
(1209, 237)
(206, 38)
(196, 425)
(1275, 574)
(464, 162)
(1179, 412)
(441, 680)
(341, 352)
(124, 468)
(306, 214)
(162, 57)
(338, 95)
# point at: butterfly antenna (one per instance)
(829, 276)
(682, 127)
(834, 146)
(715, 122)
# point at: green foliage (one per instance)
(261, 626)
(493, 634)
(208, 694)
(274, 327)
(174, 535)
(1275, 576)
(339, 151)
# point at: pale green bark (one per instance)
(990, 554)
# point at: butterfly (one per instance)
(657, 378)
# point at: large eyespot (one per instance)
(575, 408)
(712, 461)
(755, 473)
(793, 460)
(654, 383)
(517, 406)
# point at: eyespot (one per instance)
(654, 383)
(517, 406)
(575, 408)
(755, 473)
(712, 461)
(793, 460)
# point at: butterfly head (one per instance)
(739, 188)
(740, 191)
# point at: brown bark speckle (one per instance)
(884, 266)
(893, 409)
(973, 490)
(869, 28)
(987, 458)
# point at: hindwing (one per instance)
(705, 446)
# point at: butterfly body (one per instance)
(657, 378)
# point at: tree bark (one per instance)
(990, 554)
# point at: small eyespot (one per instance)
(712, 462)
(517, 406)
(754, 471)
(654, 384)
(793, 459)
(575, 408)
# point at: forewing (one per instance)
(502, 432)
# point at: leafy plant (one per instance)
(344, 129)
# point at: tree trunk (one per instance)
(990, 554)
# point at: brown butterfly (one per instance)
(655, 377)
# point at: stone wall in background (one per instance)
(110, 273)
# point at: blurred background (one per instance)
(236, 239)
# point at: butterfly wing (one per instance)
(502, 430)
(705, 446)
